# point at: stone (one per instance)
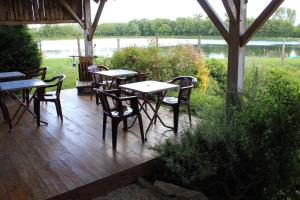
(170, 189)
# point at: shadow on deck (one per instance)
(70, 160)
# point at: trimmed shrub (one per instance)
(18, 51)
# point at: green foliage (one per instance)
(273, 119)
(251, 153)
(179, 60)
(145, 60)
(17, 49)
(218, 71)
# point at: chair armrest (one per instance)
(50, 80)
(187, 87)
(128, 98)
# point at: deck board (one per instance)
(48, 161)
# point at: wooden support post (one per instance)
(78, 46)
(118, 43)
(199, 43)
(236, 54)
(88, 43)
(97, 17)
(156, 41)
(237, 37)
(283, 52)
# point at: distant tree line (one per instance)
(280, 25)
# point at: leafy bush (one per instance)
(17, 49)
(218, 71)
(249, 154)
(177, 61)
(146, 60)
(272, 121)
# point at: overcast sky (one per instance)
(126, 10)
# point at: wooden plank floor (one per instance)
(43, 162)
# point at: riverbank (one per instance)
(64, 66)
(288, 39)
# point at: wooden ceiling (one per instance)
(39, 11)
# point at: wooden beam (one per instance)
(88, 26)
(216, 20)
(96, 20)
(72, 12)
(230, 9)
(258, 23)
(236, 55)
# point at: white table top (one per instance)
(116, 73)
(21, 84)
(149, 87)
(8, 75)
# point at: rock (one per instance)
(170, 189)
(144, 183)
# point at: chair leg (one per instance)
(104, 126)
(91, 93)
(141, 128)
(189, 110)
(2, 106)
(59, 109)
(97, 99)
(125, 124)
(27, 97)
(37, 110)
(176, 116)
(56, 107)
(115, 123)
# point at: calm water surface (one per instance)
(212, 48)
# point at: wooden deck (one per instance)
(70, 160)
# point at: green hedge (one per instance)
(18, 51)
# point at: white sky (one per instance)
(126, 10)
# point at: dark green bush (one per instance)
(253, 153)
(17, 49)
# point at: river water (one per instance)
(213, 48)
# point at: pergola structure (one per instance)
(14, 12)
(237, 35)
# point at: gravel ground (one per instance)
(134, 192)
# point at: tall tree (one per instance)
(287, 14)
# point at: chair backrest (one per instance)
(60, 79)
(41, 72)
(84, 63)
(104, 99)
(141, 77)
(56, 81)
(186, 84)
(131, 79)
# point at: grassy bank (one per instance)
(291, 67)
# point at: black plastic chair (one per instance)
(186, 84)
(98, 83)
(36, 73)
(41, 94)
(119, 112)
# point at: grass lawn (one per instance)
(61, 66)
(56, 66)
